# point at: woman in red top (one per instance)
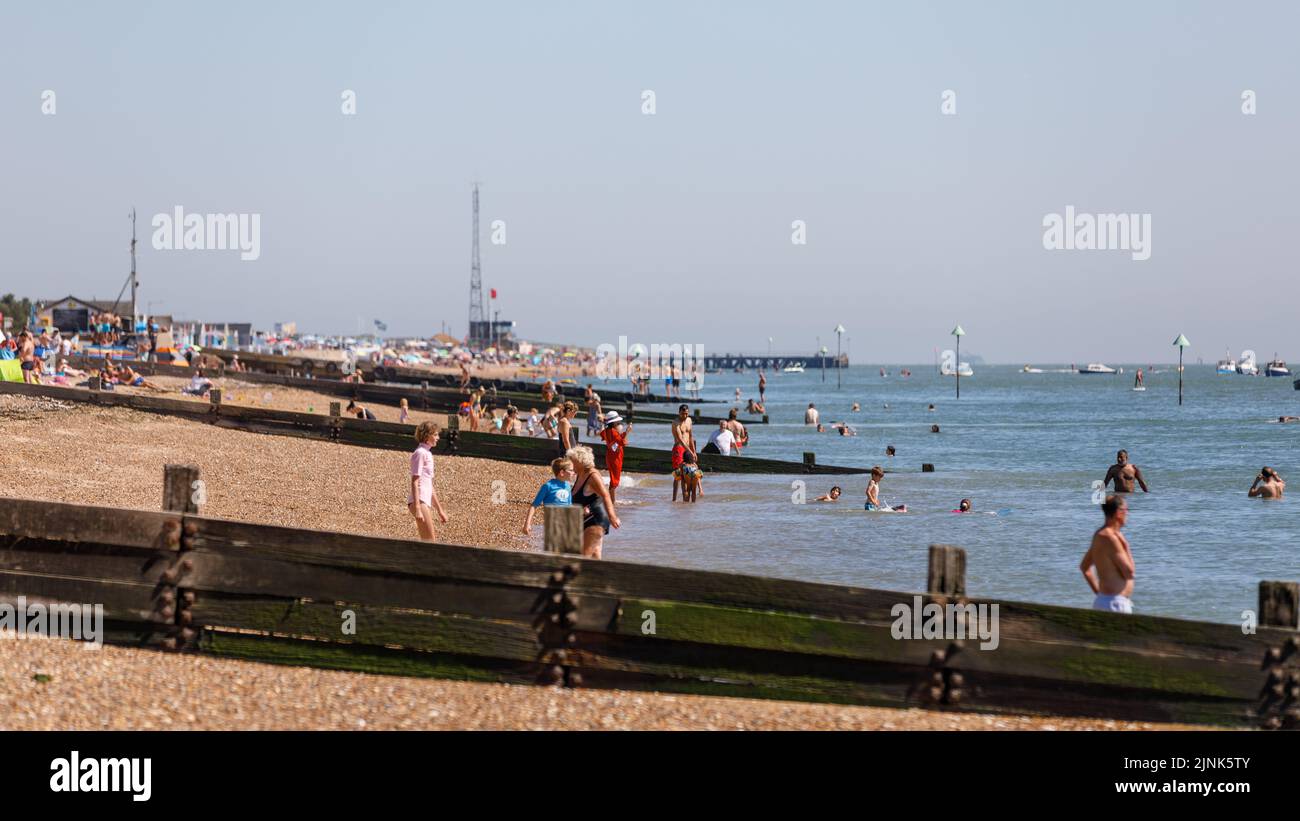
(615, 442)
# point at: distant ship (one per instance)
(792, 369)
(1277, 368)
(1247, 367)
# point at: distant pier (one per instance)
(771, 362)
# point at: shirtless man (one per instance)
(811, 416)
(27, 356)
(737, 429)
(683, 442)
(1108, 564)
(762, 386)
(1124, 474)
(1268, 485)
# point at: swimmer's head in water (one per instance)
(1115, 508)
(835, 492)
(889, 450)
(965, 505)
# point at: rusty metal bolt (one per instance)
(185, 617)
(167, 611)
(572, 569)
(171, 526)
(191, 528)
(560, 656)
(572, 638)
(1272, 723)
(936, 694)
(170, 575)
(167, 596)
(188, 597)
(556, 598)
(1274, 675)
(169, 643)
(575, 679)
(187, 565)
(955, 695)
(557, 577)
(956, 680)
(188, 634)
(954, 648)
(936, 678)
(1273, 656)
(555, 618)
(173, 540)
(937, 658)
(570, 619)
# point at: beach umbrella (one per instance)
(1182, 343)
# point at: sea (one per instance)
(1029, 450)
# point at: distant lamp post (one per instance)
(821, 354)
(839, 331)
(770, 340)
(959, 333)
(1182, 343)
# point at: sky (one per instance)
(676, 226)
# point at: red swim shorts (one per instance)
(678, 453)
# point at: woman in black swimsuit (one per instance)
(590, 493)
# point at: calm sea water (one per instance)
(1030, 443)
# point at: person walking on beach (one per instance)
(404, 411)
(565, 433)
(1108, 565)
(423, 499)
(1268, 485)
(1124, 474)
(556, 492)
(590, 492)
(683, 440)
(594, 413)
(615, 441)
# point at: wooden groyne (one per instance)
(395, 436)
(426, 396)
(181, 581)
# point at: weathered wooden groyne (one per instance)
(180, 581)
(394, 436)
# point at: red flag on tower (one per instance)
(494, 293)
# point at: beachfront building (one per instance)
(73, 315)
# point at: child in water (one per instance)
(873, 494)
(691, 478)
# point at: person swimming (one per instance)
(1268, 485)
(833, 496)
(963, 507)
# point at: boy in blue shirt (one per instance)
(557, 492)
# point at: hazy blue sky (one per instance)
(673, 227)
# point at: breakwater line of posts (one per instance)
(425, 396)
(395, 436)
(179, 581)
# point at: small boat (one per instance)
(1277, 368)
(1028, 369)
(792, 369)
(1097, 367)
(1247, 367)
(1226, 365)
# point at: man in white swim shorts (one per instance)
(1108, 565)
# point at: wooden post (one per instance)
(697, 414)
(180, 493)
(94, 383)
(947, 574)
(1279, 604)
(809, 459)
(563, 529)
(926, 467)
(765, 419)
(453, 421)
(215, 396)
(424, 394)
(336, 408)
